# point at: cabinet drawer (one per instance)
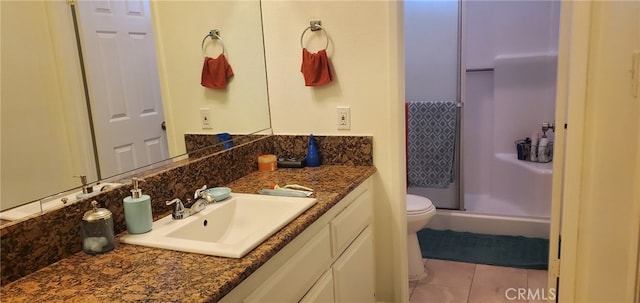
(290, 282)
(350, 222)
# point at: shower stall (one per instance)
(497, 61)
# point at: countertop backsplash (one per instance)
(334, 150)
(200, 145)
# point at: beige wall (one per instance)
(41, 148)
(609, 213)
(179, 28)
(366, 52)
(601, 205)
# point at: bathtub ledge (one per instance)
(535, 167)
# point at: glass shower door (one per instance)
(432, 64)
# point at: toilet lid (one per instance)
(418, 204)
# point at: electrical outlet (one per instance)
(205, 118)
(344, 117)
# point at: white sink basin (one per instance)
(229, 228)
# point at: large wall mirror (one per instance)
(50, 129)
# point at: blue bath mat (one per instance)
(510, 251)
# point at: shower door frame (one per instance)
(461, 100)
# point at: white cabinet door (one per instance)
(353, 272)
(322, 291)
(298, 274)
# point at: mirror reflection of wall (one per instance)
(45, 133)
(45, 128)
(241, 108)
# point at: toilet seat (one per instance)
(418, 205)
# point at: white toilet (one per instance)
(420, 210)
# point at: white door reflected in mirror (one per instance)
(124, 90)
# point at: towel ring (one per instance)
(314, 28)
(214, 34)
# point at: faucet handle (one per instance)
(198, 193)
(178, 211)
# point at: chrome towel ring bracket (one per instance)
(215, 35)
(314, 25)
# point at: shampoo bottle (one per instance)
(534, 147)
(542, 149)
(313, 157)
(137, 210)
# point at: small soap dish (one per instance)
(220, 193)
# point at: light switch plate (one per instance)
(205, 118)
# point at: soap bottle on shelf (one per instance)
(542, 149)
(313, 157)
(534, 147)
(137, 210)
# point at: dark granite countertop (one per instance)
(132, 273)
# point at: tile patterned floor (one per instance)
(457, 282)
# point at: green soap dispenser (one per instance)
(137, 210)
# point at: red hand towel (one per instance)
(216, 72)
(315, 68)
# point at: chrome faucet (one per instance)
(202, 198)
(181, 212)
(202, 194)
(86, 188)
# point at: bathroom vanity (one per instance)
(326, 252)
(331, 261)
